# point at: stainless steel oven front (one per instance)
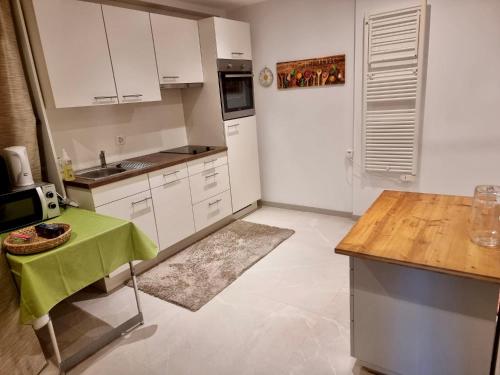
(236, 88)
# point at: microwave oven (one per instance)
(28, 205)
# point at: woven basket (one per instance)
(39, 244)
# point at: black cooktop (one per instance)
(191, 150)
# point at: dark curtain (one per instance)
(17, 120)
(20, 351)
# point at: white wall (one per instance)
(303, 133)
(461, 127)
(148, 128)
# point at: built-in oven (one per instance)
(236, 88)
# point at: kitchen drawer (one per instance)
(121, 189)
(212, 210)
(209, 183)
(209, 162)
(167, 175)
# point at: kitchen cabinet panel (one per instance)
(174, 212)
(120, 189)
(206, 163)
(177, 47)
(212, 210)
(76, 52)
(243, 161)
(166, 175)
(132, 54)
(209, 183)
(137, 208)
(232, 39)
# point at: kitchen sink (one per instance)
(97, 174)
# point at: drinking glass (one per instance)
(484, 222)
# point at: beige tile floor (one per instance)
(288, 314)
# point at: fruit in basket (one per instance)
(21, 238)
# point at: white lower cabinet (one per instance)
(137, 208)
(209, 183)
(243, 161)
(206, 163)
(169, 204)
(212, 210)
(174, 212)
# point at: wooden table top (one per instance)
(420, 230)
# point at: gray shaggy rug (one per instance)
(198, 273)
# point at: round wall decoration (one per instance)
(266, 77)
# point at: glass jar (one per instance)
(484, 222)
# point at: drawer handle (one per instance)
(211, 175)
(170, 182)
(233, 125)
(170, 174)
(141, 201)
(237, 53)
(170, 77)
(132, 96)
(105, 97)
(210, 161)
(210, 204)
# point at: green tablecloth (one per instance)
(99, 244)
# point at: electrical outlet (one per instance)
(120, 140)
(407, 178)
(349, 154)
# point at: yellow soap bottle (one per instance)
(67, 167)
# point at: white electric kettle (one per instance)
(16, 158)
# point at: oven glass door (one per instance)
(236, 92)
(20, 208)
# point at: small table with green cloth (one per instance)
(98, 245)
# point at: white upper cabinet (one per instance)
(233, 39)
(177, 46)
(76, 52)
(132, 54)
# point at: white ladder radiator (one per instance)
(392, 90)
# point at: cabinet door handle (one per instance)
(233, 125)
(141, 201)
(170, 77)
(170, 174)
(211, 175)
(170, 182)
(105, 97)
(210, 204)
(132, 96)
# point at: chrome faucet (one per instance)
(102, 156)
